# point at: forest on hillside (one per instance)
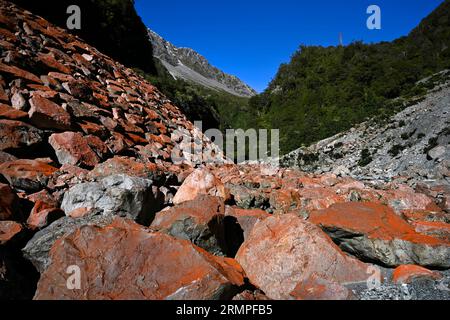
(325, 90)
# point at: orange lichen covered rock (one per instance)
(11, 113)
(8, 230)
(27, 174)
(123, 165)
(133, 263)
(200, 221)
(200, 182)
(407, 273)
(46, 114)
(72, 148)
(283, 251)
(374, 231)
(433, 228)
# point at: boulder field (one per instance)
(93, 206)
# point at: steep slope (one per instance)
(112, 26)
(324, 91)
(186, 64)
(65, 101)
(415, 143)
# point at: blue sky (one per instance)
(251, 38)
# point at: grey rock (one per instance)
(18, 101)
(119, 195)
(418, 289)
(248, 198)
(38, 248)
(392, 252)
(437, 152)
(341, 171)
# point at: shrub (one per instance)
(366, 158)
(396, 149)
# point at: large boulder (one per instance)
(433, 228)
(248, 198)
(319, 198)
(285, 251)
(316, 288)
(404, 198)
(200, 182)
(115, 195)
(124, 261)
(124, 165)
(374, 232)
(37, 250)
(201, 221)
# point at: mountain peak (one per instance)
(187, 64)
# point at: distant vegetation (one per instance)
(324, 91)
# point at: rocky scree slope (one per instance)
(119, 31)
(86, 179)
(186, 64)
(414, 144)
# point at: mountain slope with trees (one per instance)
(326, 90)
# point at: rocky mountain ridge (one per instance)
(187, 64)
(88, 182)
